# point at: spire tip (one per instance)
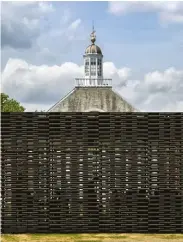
(93, 36)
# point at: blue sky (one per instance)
(143, 37)
(138, 40)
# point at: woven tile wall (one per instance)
(92, 172)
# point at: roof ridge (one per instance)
(62, 99)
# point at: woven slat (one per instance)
(92, 172)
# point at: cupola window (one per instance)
(87, 67)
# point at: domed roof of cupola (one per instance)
(93, 49)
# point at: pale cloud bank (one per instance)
(39, 87)
(167, 11)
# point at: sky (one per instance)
(42, 47)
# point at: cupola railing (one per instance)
(93, 82)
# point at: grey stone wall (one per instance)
(87, 99)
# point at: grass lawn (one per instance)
(92, 238)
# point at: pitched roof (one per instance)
(86, 99)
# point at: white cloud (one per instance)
(39, 87)
(167, 11)
(45, 7)
(21, 22)
(66, 16)
(71, 30)
(74, 25)
(119, 76)
(38, 84)
(32, 27)
(157, 91)
(22, 3)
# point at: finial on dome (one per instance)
(92, 35)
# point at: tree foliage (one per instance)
(10, 105)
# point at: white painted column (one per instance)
(89, 70)
(96, 74)
(89, 67)
(85, 66)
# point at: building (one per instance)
(93, 92)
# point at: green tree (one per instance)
(10, 105)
